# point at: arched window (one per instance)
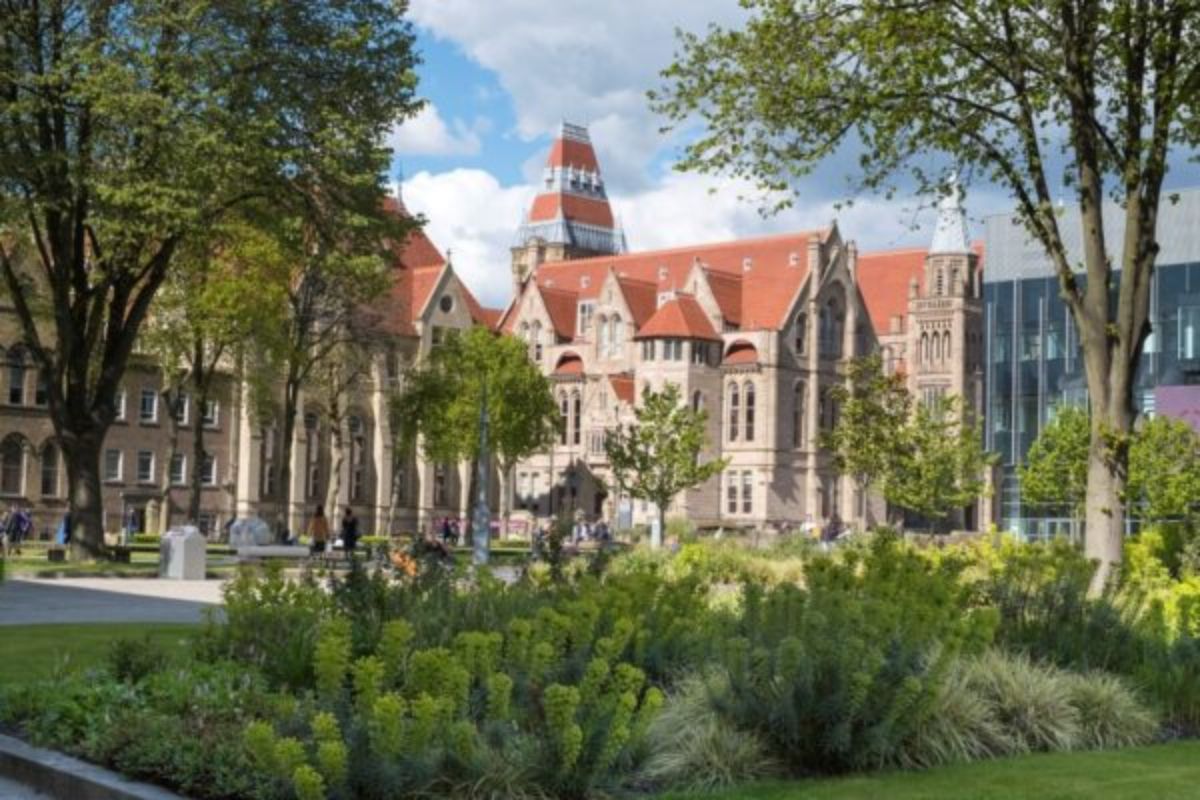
(749, 400)
(49, 470)
(12, 467)
(801, 333)
(616, 335)
(734, 411)
(940, 282)
(266, 483)
(838, 327)
(798, 409)
(946, 345)
(923, 350)
(536, 331)
(823, 331)
(577, 424)
(358, 458)
(564, 410)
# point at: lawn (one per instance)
(29, 652)
(1143, 773)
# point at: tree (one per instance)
(1081, 94)
(127, 127)
(441, 396)
(940, 465)
(1055, 469)
(1164, 470)
(1164, 466)
(335, 263)
(219, 299)
(874, 410)
(659, 456)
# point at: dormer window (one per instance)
(584, 281)
(664, 297)
(662, 273)
(747, 264)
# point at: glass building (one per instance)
(1032, 357)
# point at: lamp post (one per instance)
(481, 517)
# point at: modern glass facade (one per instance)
(1032, 357)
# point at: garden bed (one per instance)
(639, 674)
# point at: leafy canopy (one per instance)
(1055, 469)
(441, 398)
(658, 456)
(873, 412)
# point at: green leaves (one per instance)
(659, 456)
(1055, 469)
(873, 412)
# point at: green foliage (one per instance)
(1055, 469)
(659, 456)
(874, 411)
(1030, 700)
(308, 783)
(368, 681)
(131, 660)
(694, 747)
(940, 468)
(1110, 714)
(331, 659)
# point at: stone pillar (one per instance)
(812, 422)
(294, 516)
(423, 497)
(381, 450)
(464, 493)
(248, 461)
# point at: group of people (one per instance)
(16, 525)
(584, 531)
(318, 531)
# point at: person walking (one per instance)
(349, 530)
(318, 531)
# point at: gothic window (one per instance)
(937, 347)
(946, 345)
(16, 376)
(49, 470)
(312, 453)
(12, 466)
(798, 403)
(731, 492)
(537, 341)
(747, 492)
(734, 411)
(801, 332)
(439, 486)
(577, 424)
(616, 335)
(564, 412)
(41, 392)
(939, 282)
(749, 400)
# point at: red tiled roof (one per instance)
(424, 281)
(741, 352)
(569, 363)
(883, 280)
(759, 297)
(561, 306)
(641, 297)
(572, 153)
(589, 210)
(623, 388)
(681, 318)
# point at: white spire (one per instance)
(950, 236)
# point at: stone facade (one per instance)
(755, 332)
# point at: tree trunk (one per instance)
(291, 391)
(82, 455)
(172, 400)
(1104, 514)
(337, 459)
(656, 539)
(198, 456)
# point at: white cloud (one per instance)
(427, 134)
(584, 61)
(473, 216)
(470, 213)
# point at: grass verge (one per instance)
(1141, 773)
(35, 652)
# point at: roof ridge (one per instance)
(725, 244)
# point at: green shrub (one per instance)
(131, 659)
(692, 747)
(1110, 714)
(1031, 701)
(308, 783)
(961, 726)
(331, 659)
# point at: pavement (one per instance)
(30, 601)
(11, 790)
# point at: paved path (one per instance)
(10, 790)
(35, 602)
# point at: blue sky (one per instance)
(499, 75)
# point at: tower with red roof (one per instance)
(570, 217)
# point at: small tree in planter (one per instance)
(659, 456)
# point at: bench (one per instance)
(268, 551)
